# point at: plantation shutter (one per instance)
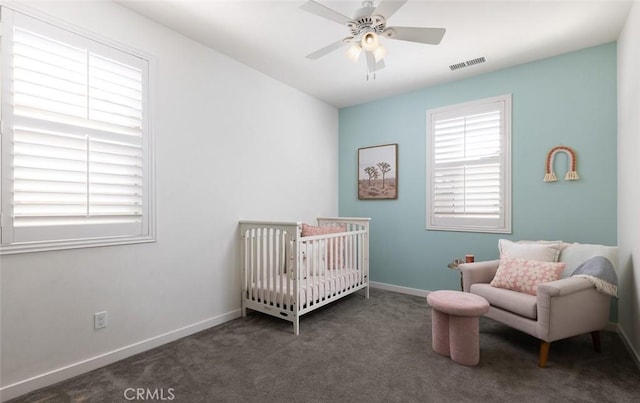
(468, 167)
(76, 120)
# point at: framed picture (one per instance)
(378, 172)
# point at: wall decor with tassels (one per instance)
(572, 173)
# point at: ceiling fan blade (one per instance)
(326, 50)
(387, 8)
(431, 36)
(324, 12)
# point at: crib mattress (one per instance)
(312, 289)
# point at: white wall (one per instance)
(628, 184)
(231, 144)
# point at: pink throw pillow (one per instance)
(522, 275)
(333, 254)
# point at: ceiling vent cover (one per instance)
(467, 63)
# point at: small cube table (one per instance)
(455, 324)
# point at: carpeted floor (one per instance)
(357, 350)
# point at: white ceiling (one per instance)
(275, 36)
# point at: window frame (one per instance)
(89, 235)
(464, 223)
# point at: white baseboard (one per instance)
(396, 288)
(49, 378)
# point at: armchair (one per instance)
(563, 308)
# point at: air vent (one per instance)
(467, 63)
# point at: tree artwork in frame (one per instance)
(378, 172)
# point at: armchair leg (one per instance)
(595, 337)
(544, 348)
(544, 353)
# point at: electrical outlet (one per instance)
(100, 320)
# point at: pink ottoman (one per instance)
(455, 324)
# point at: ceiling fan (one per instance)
(367, 24)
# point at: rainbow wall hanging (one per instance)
(572, 174)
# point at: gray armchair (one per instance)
(563, 308)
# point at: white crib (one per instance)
(287, 275)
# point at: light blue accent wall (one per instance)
(569, 100)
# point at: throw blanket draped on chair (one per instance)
(599, 271)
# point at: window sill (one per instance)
(29, 247)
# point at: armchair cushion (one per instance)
(512, 301)
(544, 251)
(574, 254)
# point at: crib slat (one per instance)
(252, 257)
(258, 268)
(270, 278)
(279, 268)
(295, 280)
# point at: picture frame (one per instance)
(378, 172)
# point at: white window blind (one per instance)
(76, 145)
(469, 166)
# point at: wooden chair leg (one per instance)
(544, 353)
(595, 337)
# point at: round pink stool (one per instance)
(455, 325)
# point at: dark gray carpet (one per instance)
(358, 350)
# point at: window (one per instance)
(76, 145)
(469, 166)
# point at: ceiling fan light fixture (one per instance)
(353, 53)
(370, 41)
(379, 53)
